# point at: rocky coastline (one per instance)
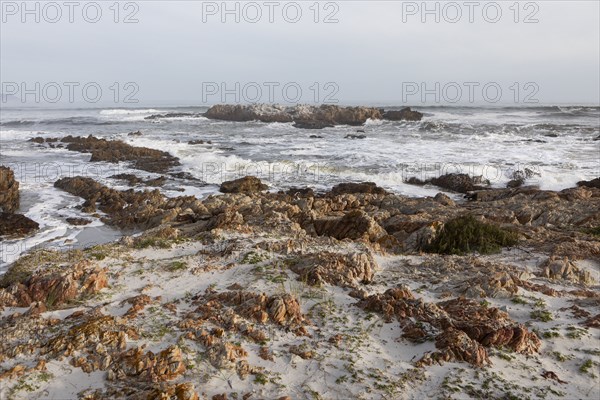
(262, 288)
(352, 292)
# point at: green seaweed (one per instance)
(466, 234)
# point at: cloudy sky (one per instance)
(375, 52)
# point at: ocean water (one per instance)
(561, 144)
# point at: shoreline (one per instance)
(268, 295)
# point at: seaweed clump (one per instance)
(466, 234)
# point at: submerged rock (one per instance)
(461, 183)
(406, 114)
(364, 187)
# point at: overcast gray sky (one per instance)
(378, 52)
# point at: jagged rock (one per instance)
(594, 183)
(114, 151)
(99, 336)
(564, 269)
(592, 322)
(226, 355)
(364, 187)
(78, 221)
(355, 137)
(172, 115)
(461, 183)
(306, 117)
(312, 125)
(131, 179)
(354, 225)
(9, 191)
(16, 225)
(127, 209)
(490, 326)
(164, 366)
(244, 113)
(498, 285)
(456, 345)
(55, 288)
(281, 310)
(247, 184)
(519, 177)
(346, 270)
(302, 352)
(487, 326)
(445, 200)
(180, 391)
(406, 114)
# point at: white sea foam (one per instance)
(129, 111)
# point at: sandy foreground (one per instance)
(258, 304)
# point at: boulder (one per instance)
(594, 183)
(55, 288)
(351, 187)
(345, 270)
(406, 114)
(312, 124)
(461, 183)
(16, 225)
(356, 224)
(247, 184)
(9, 191)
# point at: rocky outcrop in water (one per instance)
(595, 183)
(307, 117)
(16, 225)
(12, 225)
(461, 183)
(406, 114)
(9, 191)
(128, 209)
(115, 151)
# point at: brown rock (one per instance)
(16, 225)
(114, 151)
(247, 184)
(406, 114)
(355, 224)
(9, 191)
(55, 288)
(346, 270)
(594, 183)
(364, 187)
